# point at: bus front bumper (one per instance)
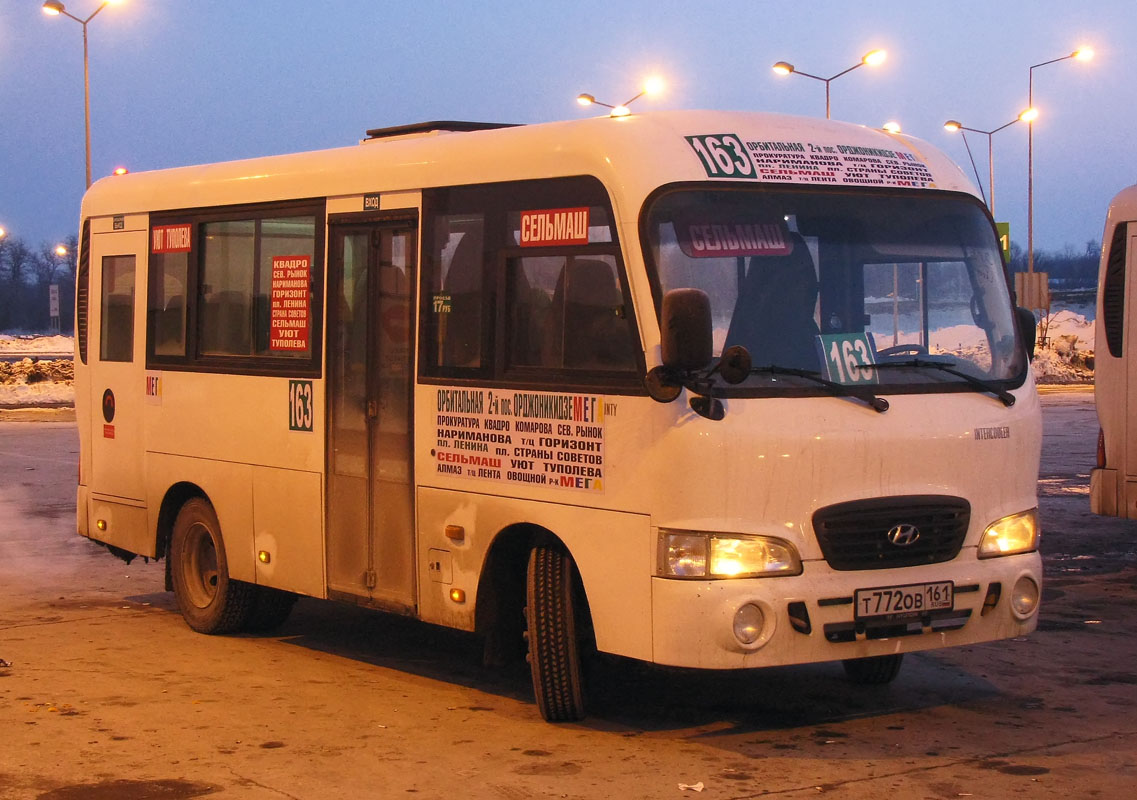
(810, 617)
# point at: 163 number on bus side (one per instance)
(903, 602)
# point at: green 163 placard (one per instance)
(723, 156)
(848, 357)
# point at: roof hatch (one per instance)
(437, 126)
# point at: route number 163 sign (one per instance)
(848, 358)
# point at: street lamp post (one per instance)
(1028, 116)
(54, 9)
(653, 85)
(1081, 54)
(872, 58)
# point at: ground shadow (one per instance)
(627, 694)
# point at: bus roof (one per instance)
(1123, 207)
(632, 155)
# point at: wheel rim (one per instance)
(200, 573)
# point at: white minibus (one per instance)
(703, 389)
(1113, 483)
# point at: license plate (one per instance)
(900, 602)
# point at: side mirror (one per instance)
(685, 330)
(1027, 329)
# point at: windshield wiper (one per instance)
(1007, 398)
(878, 404)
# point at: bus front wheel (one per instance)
(554, 646)
(210, 601)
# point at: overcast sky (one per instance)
(177, 82)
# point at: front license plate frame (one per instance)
(909, 601)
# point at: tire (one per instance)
(554, 646)
(270, 608)
(210, 601)
(873, 671)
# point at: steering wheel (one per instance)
(912, 349)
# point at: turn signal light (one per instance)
(994, 592)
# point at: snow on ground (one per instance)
(36, 394)
(35, 345)
(43, 376)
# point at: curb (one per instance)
(37, 413)
(1053, 388)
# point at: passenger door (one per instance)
(370, 541)
(117, 354)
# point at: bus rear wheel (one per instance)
(554, 646)
(873, 671)
(210, 601)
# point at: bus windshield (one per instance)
(832, 283)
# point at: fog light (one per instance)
(748, 623)
(1024, 598)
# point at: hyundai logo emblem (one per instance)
(903, 535)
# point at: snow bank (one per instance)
(35, 345)
(36, 394)
(36, 382)
(1070, 323)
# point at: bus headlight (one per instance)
(1017, 533)
(689, 554)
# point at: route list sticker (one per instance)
(531, 438)
(727, 155)
(289, 312)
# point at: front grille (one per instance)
(854, 535)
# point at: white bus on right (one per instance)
(1113, 484)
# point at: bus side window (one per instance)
(531, 283)
(116, 334)
(455, 309)
(226, 288)
(167, 313)
(568, 312)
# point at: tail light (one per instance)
(1101, 449)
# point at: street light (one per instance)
(1081, 54)
(653, 85)
(1028, 116)
(872, 58)
(53, 8)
